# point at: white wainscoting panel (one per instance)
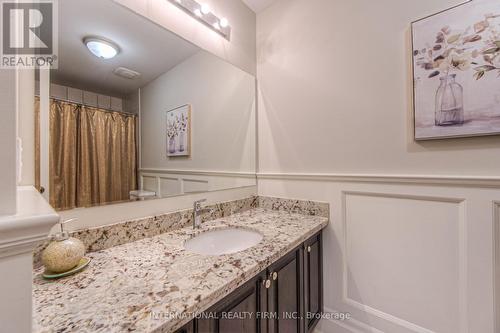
(169, 186)
(402, 256)
(167, 183)
(149, 183)
(397, 262)
(194, 185)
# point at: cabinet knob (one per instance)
(268, 284)
(309, 249)
(275, 276)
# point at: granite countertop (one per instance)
(154, 285)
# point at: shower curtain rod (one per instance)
(82, 104)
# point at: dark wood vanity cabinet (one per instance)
(189, 328)
(239, 312)
(313, 281)
(285, 298)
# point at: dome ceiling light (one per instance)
(101, 48)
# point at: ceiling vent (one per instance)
(126, 73)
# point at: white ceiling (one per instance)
(258, 5)
(144, 47)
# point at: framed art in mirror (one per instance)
(179, 131)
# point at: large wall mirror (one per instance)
(134, 112)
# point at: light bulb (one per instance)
(178, 1)
(205, 9)
(198, 13)
(223, 22)
(216, 26)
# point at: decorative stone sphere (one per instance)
(64, 255)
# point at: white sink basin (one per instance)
(223, 241)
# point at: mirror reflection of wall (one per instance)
(101, 129)
(221, 98)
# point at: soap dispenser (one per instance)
(64, 252)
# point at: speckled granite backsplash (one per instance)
(313, 208)
(100, 238)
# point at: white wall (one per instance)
(8, 142)
(341, 70)
(240, 50)
(26, 124)
(222, 99)
(131, 103)
(403, 252)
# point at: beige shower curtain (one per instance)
(92, 155)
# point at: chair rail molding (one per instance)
(169, 182)
(218, 173)
(439, 180)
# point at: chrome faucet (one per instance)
(197, 211)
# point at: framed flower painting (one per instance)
(456, 71)
(179, 131)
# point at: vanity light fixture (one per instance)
(203, 13)
(101, 48)
(205, 9)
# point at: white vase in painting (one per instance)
(449, 102)
(171, 145)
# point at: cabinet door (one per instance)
(238, 312)
(313, 281)
(285, 301)
(188, 328)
